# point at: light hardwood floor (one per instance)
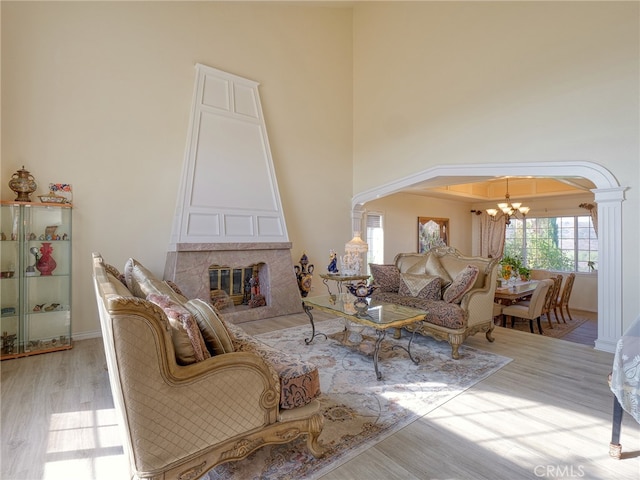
(587, 333)
(547, 414)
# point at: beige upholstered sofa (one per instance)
(184, 409)
(456, 292)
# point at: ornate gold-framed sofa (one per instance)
(455, 290)
(180, 415)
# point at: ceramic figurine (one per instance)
(333, 262)
(8, 343)
(254, 283)
(361, 289)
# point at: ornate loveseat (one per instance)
(456, 292)
(190, 390)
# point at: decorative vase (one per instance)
(23, 183)
(304, 275)
(361, 290)
(46, 264)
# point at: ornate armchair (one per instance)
(179, 421)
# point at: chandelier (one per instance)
(509, 210)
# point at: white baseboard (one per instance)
(606, 346)
(87, 335)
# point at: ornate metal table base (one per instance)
(307, 309)
(380, 334)
(407, 349)
(340, 279)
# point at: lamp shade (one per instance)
(356, 244)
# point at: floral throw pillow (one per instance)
(461, 284)
(419, 286)
(185, 334)
(386, 277)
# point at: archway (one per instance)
(609, 196)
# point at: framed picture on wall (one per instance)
(432, 232)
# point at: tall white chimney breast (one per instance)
(228, 210)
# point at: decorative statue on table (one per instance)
(333, 262)
(304, 275)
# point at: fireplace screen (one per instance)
(236, 282)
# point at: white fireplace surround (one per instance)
(228, 192)
(188, 267)
(228, 210)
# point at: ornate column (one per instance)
(357, 216)
(609, 202)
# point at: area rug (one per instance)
(360, 411)
(559, 330)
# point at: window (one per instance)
(375, 239)
(567, 244)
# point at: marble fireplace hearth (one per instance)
(188, 267)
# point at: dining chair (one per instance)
(533, 310)
(547, 306)
(564, 298)
(551, 301)
(497, 313)
(548, 303)
(555, 293)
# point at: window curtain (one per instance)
(492, 236)
(593, 211)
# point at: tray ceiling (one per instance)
(490, 188)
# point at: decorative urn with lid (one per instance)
(361, 289)
(23, 183)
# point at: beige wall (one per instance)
(401, 212)
(487, 82)
(584, 294)
(98, 95)
(440, 83)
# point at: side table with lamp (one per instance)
(350, 265)
(340, 279)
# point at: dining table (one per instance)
(515, 292)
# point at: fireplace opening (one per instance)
(189, 267)
(232, 287)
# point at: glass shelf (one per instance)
(25, 228)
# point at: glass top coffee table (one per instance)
(378, 315)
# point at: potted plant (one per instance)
(525, 273)
(513, 265)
